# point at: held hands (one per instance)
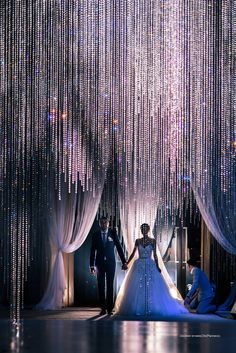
(124, 266)
(93, 270)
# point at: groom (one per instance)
(103, 263)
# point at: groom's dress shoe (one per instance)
(103, 312)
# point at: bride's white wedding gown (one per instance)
(144, 291)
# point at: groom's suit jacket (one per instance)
(200, 282)
(101, 254)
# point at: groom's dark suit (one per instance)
(103, 257)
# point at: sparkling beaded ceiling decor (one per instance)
(144, 88)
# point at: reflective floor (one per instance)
(82, 330)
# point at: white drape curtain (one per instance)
(133, 212)
(70, 223)
(218, 216)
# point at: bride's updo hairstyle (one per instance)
(145, 225)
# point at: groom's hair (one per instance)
(192, 262)
(104, 218)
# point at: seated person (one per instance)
(201, 294)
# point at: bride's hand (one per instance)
(125, 266)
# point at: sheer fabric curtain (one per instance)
(218, 215)
(70, 223)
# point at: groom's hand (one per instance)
(93, 270)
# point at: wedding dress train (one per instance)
(144, 291)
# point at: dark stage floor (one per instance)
(82, 330)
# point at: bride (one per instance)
(144, 291)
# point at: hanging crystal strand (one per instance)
(112, 121)
(93, 98)
(154, 37)
(104, 141)
(82, 45)
(150, 164)
(53, 88)
(165, 111)
(227, 142)
(62, 82)
(3, 73)
(194, 117)
(195, 28)
(142, 96)
(213, 91)
(95, 74)
(231, 122)
(83, 132)
(138, 102)
(13, 270)
(67, 107)
(13, 185)
(183, 114)
(43, 103)
(186, 106)
(204, 113)
(225, 92)
(103, 83)
(15, 124)
(183, 120)
(192, 130)
(119, 89)
(162, 71)
(226, 96)
(93, 71)
(28, 33)
(59, 82)
(207, 119)
(73, 87)
(158, 103)
(233, 93)
(52, 98)
(24, 153)
(5, 186)
(176, 76)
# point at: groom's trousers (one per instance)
(203, 306)
(105, 278)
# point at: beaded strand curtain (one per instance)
(152, 119)
(146, 88)
(54, 112)
(212, 118)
